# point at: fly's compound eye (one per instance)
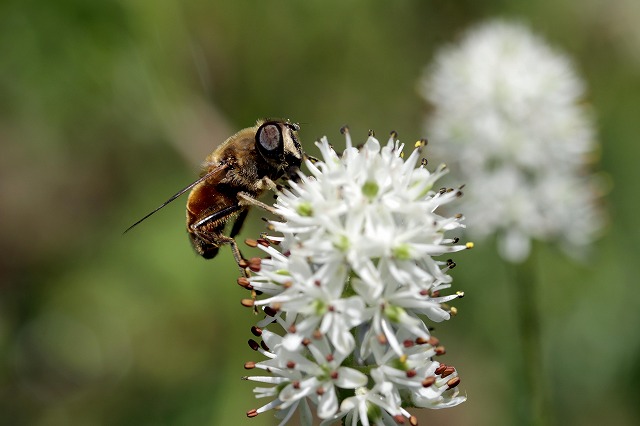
(269, 140)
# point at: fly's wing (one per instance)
(204, 177)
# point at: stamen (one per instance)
(453, 382)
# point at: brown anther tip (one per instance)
(317, 334)
(329, 357)
(411, 373)
(270, 311)
(393, 134)
(291, 364)
(440, 369)
(382, 339)
(428, 381)
(317, 283)
(264, 346)
(243, 263)
(251, 243)
(287, 284)
(458, 216)
(306, 341)
(421, 341)
(244, 282)
(440, 350)
(252, 413)
(453, 382)
(320, 391)
(453, 311)
(344, 129)
(249, 365)
(399, 419)
(413, 421)
(424, 162)
(256, 331)
(334, 375)
(247, 303)
(448, 371)
(296, 384)
(407, 343)
(292, 329)
(253, 344)
(254, 264)
(263, 242)
(434, 341)
(372, 133)
(424, 292)
(435, 293)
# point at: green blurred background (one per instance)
(108, 107)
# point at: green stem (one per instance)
(532, 404)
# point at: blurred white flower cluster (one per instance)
(508, 117)
(347, 286)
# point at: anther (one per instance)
(440, 369)
(424, 292)
(253, 344)
(453, 382)
(317, 334)
(428, 381)
(424, 162)
(399, 418)
(382, 339)
(421, 341)
(306, 341)
(243, 263)
(320, 391)
(263, 242)
(448, 371)
(344, 129)
(250, 242)
(411, 373)
(292, 329)
(434, 341)
(453, 311)
(270, 311)
(408, 343)
(291, 365)
(394, 135)
(256, 331)
(264, 346)
(252, 413)
(249, 365)
(334, 375)
(247, 303)
(329, 357)
(254, 264)
(440, 350)
(469, 245)
(296, 384)
(460, 294)
(413, 421)
(244, 282)
(372, 133)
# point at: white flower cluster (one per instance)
(348, 285)
(509, 117)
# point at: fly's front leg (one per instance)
(247, 200)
